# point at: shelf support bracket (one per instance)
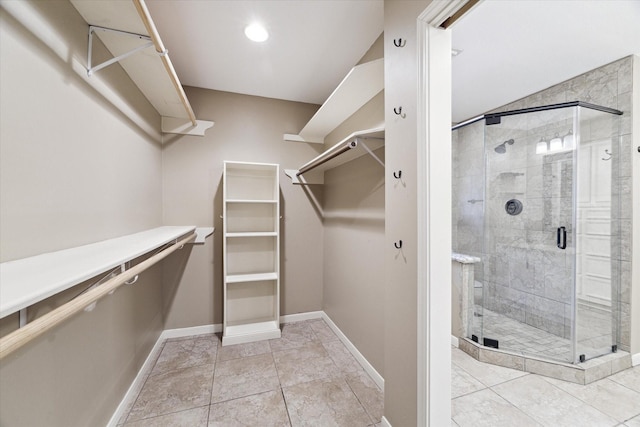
(359, 141)
(23, 317)
(92, 29)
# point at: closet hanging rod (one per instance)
(22, 336)
(143, 11)
(325, 159)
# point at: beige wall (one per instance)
(247, 128)
(400, 330)
(73, 170)
(354, 240)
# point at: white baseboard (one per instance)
(454, 341)
(300, 317)
(186, 332)
(635, 359)
(138, 381)
(384, 422)
(369, 369)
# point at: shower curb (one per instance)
(582, 373)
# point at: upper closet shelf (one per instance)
(355, 145)
(125, 27)
(27, 281)
(363, 82)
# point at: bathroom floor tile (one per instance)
(196, 417)
(487, 374)
(607, 396)
(173, 391)
(550, 405)
(463, 383)
(486, 408)
(629, 378)
(264, 409)
(325, 403)
(633, 422)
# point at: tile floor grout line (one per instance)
(286, 407)
(516, 407)
(619, 383)
(542, 377)
(165, 414)
(587, 403)
(213, 376)
(346, 380)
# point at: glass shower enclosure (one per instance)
(535, 198)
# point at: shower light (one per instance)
(542, 147)
(568, 141)
(256, 32)
(555, 144)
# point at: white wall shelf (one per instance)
(150, 68)
(355, 145)
(27, 281)
(363, 82)
(254, 234)
(251, 201)
(251, 252)
(259, 277)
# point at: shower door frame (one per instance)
(495, 118)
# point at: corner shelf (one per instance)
(360, 85)
(251, 229)
(151, 70)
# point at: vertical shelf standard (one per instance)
(251, 245)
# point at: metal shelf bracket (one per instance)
(92, 29)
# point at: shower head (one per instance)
(502, 148)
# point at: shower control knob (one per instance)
(513, 207)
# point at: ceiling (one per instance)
(312, 44)
(510, 48)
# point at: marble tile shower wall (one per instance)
(524, 274)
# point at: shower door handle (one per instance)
(561, 238)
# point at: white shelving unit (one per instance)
(251, 245)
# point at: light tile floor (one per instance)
(489, 395)
(305, 378)
(308, 378)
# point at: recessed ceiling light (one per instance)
(256, 32)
